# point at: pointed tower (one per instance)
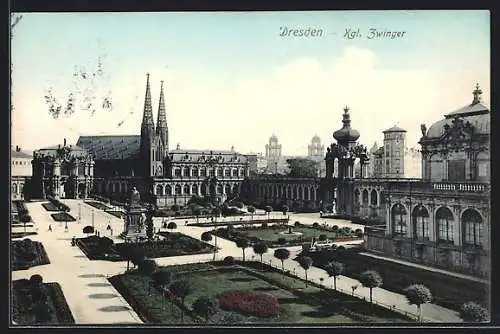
(161, 124)
(147, 133)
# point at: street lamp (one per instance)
(92, 217)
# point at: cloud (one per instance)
(296, 100)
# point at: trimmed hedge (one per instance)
(62, 217)
(27, 254)
(50, 207)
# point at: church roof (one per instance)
(111, 147)
(395, 128)
(204, 155)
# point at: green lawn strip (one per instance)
(50, 206)
(22, 308)
(97, 205)
(448, 291)
(62, 217)
(295, 308)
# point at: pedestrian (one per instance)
(65, 228)
(111, 230)
(50, 228)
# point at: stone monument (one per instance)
(135, 218)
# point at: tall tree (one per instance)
(161, 279)
(207, 237)
(302, 168)
(334, 269)
(243, 244)
(306, 263)
(371, 279)
(181, 289)
(260, 248)
(282, 254)
(251, 210)
(418, 294)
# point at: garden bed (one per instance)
(297, 304)
(22, 308)
(277, 236)
(448, 291)
(16, 235)
(174, 244)
(27, 253)
(117, 214)
(281, 221)
(97, 205)
(50, 207)
(62, 217)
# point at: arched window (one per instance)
(177, 172)
(220, 172)
(294, 193)
(203, 172)
(187, 189)
(194, 189)
(288, 192)
(195, 171)
(365, 196)
(159, 190)
(14, 188)
(356, 196)
(444, 222)
(203, 189)
(306, 194)
(186, 172)
(178, 189)
(227, 172)
(421, 223)
(374, 197)
(168, 190)
(472, 227)
(398, 216)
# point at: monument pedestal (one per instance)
(134, 222)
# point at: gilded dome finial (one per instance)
(477, 94)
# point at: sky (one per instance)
(233, 79)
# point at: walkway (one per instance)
(94, 301)
(436, 270)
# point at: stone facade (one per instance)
(443, 219)
(62, 172)
(163, 176)
(20, 172)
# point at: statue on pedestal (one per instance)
(135, 218)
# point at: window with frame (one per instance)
(399, 219)
(203, 172)
(178, 189)
(220, 172)
(227, 172)
(186, 171)
(473, 227)
(177, 172)
(211, 172)
(444, 220)
(195, 171)
(421, 221)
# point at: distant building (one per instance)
(21, 172)
(273, 155)
(394, 159)
(316, 152)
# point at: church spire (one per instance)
(147, 117)
(161, 124)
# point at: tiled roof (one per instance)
(395, 128)
(111, 147)
(76, 151)
(15, 154)
(201, 155)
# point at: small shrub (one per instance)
(322, 237)
(297, 224)
(228, 261)
(315, 224)
(281, 241)
(264, 225)
(25, 218)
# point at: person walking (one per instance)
(50, 228)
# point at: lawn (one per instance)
(16, 235)
(174, 244)
(22, 307)
(274, 235)
(448, 291)
(50, 206)
(298, 304)
(97, 205)
(26, 254)
(62, 217)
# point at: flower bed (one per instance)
(62, 217)
(255, 303)
(23, 311)
(279, 221)
(27, 254)
(50, 207)
(97, 205)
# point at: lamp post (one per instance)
(92, 217)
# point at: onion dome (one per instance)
(346, 134)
